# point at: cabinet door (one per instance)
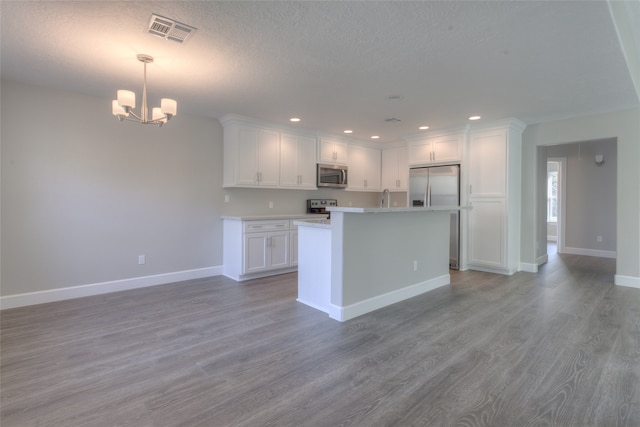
(247, 158)
(278, 250)
(420, 152)
(255, 252)
(332, 151)
(297, 161)
(364, 168)
(289, 167)
(488, 164)
(487, 233)
(307, 162)
(447, 148)
(269, 157)
(395, 170)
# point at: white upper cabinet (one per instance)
(332, 151)
(297, 161)
(488, 163)
(261, 156)
(257, 156)
(395, 169)
(364, 168)
(436, 149)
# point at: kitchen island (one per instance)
(368, 258)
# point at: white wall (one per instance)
(625, 127)
(83, 194)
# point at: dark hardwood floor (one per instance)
(557, 348)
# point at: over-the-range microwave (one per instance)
(332, 176)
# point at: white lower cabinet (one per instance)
(259, 247)
(487, 228)
(265, 251)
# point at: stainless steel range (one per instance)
(319, 206)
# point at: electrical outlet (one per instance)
(226, 198)
(599, 239)
(415, 265)
(141, 259)
(270, 205)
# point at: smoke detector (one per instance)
(170, 29)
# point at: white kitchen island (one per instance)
(368, 258)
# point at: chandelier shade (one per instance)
(125, 103)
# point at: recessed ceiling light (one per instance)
(423, 127)
(475, 118)
(294, 119)
(375, 137)
(348, 131)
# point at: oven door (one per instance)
(332, 176)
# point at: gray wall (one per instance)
(83, 194)
(590, 197)
(625, 127)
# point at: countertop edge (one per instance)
(304, 223)
(395, 210)
(275, 216)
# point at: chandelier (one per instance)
(123, 106)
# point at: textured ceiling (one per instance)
(334, 64)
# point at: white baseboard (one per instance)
(528, 267)
(358, 309)
(40, 297)
(628, 281)
(589, 252)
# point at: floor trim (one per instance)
(40, 297)
(358, 309)
(589, 252)
(628, 281)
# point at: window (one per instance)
(552, 193)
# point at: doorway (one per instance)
(556, 167)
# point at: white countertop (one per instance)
(281, 216)
(393, 210)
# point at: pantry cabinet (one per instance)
(395, 169)
(297, 161)
(493, 194)
(364, 168)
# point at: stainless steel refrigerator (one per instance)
(439, 186)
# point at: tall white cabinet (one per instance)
(493, 194)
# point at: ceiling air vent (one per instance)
(169, 29)
(392, 120)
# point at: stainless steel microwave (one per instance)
(332, 176)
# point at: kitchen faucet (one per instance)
(388, 198)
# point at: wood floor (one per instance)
(557, 348)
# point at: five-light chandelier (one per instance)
(123, 106)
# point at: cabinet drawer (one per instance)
(265, 225)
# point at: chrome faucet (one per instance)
(386, 193)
